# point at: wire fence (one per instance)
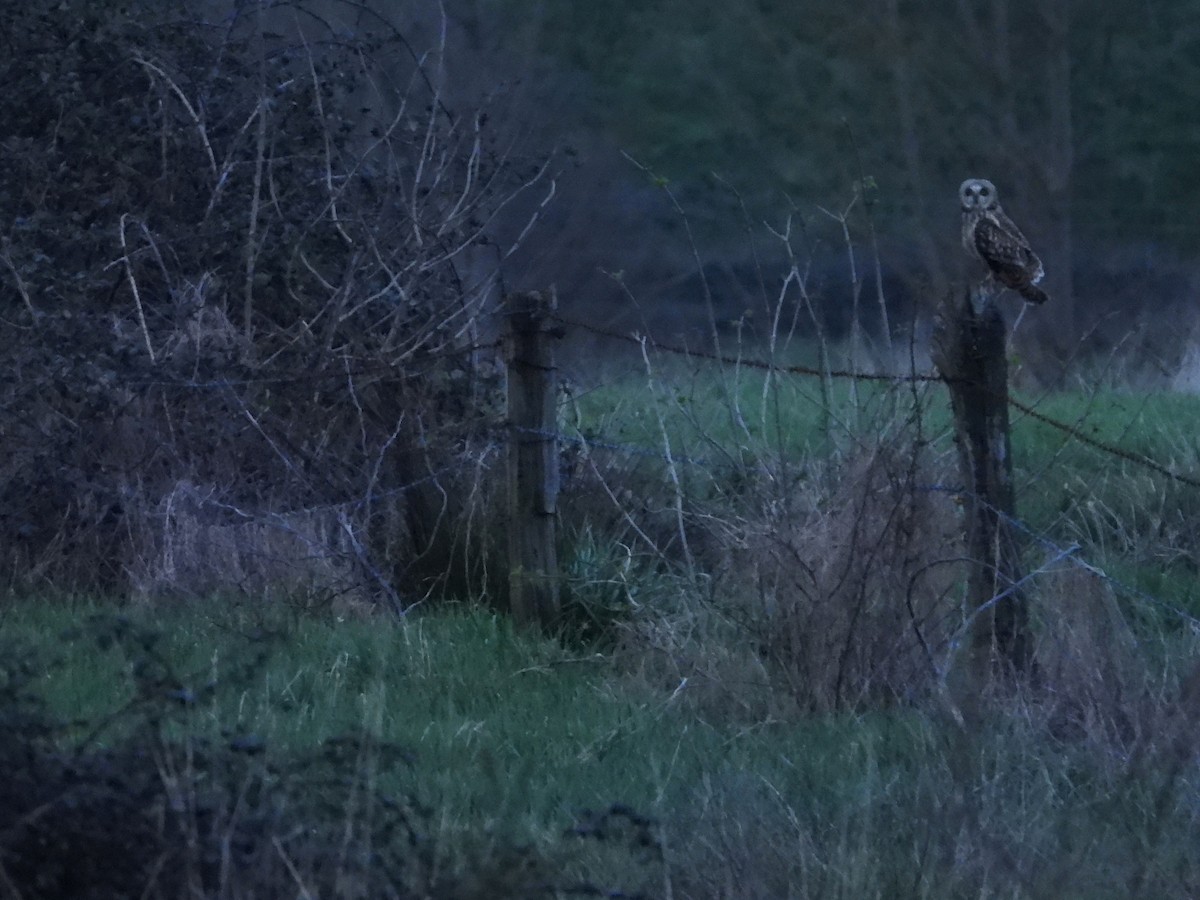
(1066, 428)
(492, 434)
(391, 370)
(1056, 555)
(940, 654)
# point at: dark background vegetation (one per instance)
(1083, 115)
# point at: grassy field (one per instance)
(1132, 518)
(510, 738)
(673, 748)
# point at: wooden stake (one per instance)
(532, 459)
(969, 351)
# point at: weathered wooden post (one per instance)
(969, 351)
(532, 458)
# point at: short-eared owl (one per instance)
(990, 236)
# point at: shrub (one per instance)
(244, 254)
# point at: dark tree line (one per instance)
(1083, 115)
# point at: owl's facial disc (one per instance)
(977, 192)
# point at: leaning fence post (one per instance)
(532, 458)
(969, 352)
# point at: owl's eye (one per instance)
(983, 192)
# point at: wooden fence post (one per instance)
(532, 458)
(969, 345)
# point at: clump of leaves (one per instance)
(605, 586)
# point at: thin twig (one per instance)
(137, 296)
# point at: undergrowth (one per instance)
(449, 757)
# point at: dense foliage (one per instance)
(244, 258)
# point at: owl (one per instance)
(991, 237)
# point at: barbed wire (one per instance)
(1104, 446)
(1058, 553)
(589, 441)
(368, 497)
(286, 522)
(914, 377)
(1070, 553)
(725, 359)
(385, 369)
(939, 639)
(1078, 561)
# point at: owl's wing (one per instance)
(1002, 245)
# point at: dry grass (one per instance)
(851, 590)
(195, 546)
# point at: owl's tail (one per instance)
(1032, 293)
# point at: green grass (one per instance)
(720, 415)
(1128, 517)
(513, 734)
(700, 404)
(1137, 523)
(462, 690)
